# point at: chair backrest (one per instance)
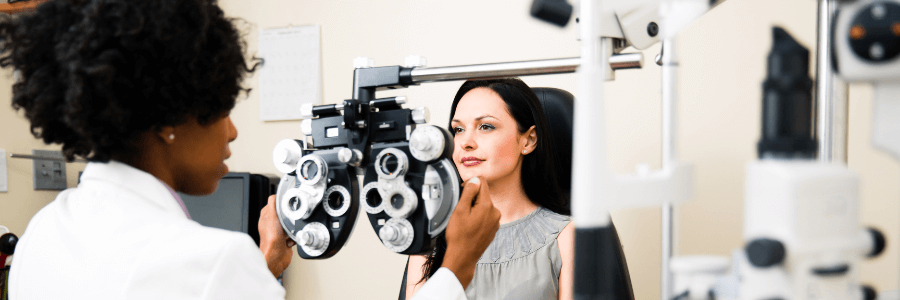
(559, 110)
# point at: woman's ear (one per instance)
(166, 134)
(530, 140)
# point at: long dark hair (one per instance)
(539, 169)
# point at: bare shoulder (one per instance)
(566, 243)
(566, 238)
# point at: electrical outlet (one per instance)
(49, 174)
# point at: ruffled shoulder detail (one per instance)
(525, 236)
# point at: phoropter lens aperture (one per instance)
(336, 200)
(389, 164)
(309, 170)
(294, 203)
(373, 198)
(397, 201)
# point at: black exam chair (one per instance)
(558, 107)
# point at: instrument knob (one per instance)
(764, 253)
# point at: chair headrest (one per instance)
(558, 107)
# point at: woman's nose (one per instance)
(465, 141)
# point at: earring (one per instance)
(172, 136)
(524, 151)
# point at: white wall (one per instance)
(722, 68)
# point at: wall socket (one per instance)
(49, 174)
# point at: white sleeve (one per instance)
(242, 273)
(205, 265)
(443, 285)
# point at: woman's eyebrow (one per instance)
(484, 117)
(476, 119)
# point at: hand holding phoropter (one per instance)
(273, 241)
(472, 227)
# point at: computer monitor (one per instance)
(235, 205)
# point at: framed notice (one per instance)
(291, 74)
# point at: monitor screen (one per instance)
(226, 208)
(235, 205)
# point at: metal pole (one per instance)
(26, 156)
(522, 68)
(669, 154)
(831, 92)
(595, 276)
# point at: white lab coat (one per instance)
(122, 235)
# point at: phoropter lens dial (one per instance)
(372, 201)
(397, 234)
(337, 200)
(297, 204)
(391, 163)
(312, 170)
(427, 143)
(400, 202)
(314, 238)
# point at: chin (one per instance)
(204, 185)
(203, 191)
(469, 175)
(465, 178)
(213, 185)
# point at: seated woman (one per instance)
(502, 136)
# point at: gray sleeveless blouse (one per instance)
(523, 261)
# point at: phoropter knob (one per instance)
(314, 239)
(397, 234)
(286, 155)
(428, 143)
(869, 293)
(420, 115)
(361, 62)
(764, 253)
(350, 156)
(878, 242)
(8, 243)
(415, 61)
(554, 11)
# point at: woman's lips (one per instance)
(470, 161)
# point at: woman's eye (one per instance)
(486, 127)
(457, 130)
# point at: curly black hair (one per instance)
(96, 74)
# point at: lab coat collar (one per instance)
(135, 181)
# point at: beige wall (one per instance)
(21, 202)
(722, 61)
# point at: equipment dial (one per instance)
(397, 234)
(874, 33)
(314, 238)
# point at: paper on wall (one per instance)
(4, 182)
(291, 74)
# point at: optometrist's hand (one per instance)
(471, 229)
(276, 246)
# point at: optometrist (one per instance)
(144, 91)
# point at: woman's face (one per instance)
(487, 140)
(203, 150)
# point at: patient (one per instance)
(501, 135)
